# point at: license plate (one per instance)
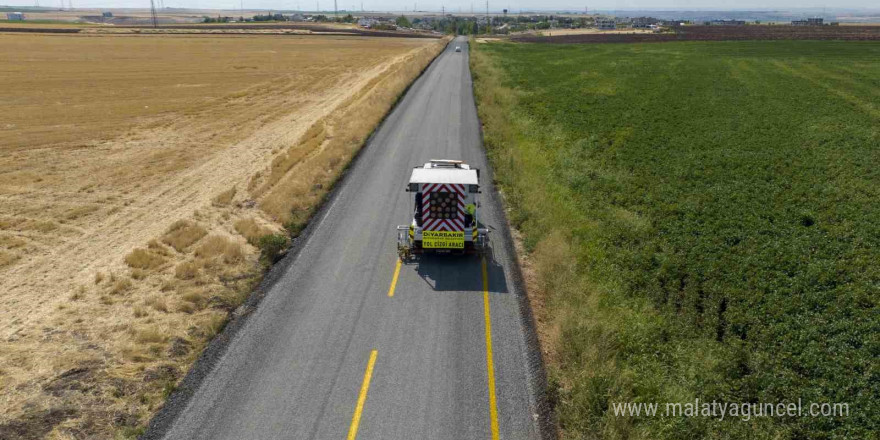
(443, 239)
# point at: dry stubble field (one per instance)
(137, 174)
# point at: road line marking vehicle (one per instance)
(446, 211)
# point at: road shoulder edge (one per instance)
(546, 416)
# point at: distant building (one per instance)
(107, 14)
(14, 16)
(726, 23)
(644, 22)
(606, 24)
(808, 22)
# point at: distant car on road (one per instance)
(458, 48)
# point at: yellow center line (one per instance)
(356, 418)
(490, 364)
(394, 280)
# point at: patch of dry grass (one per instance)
(150, 334)
(139, 274)
(144, 259)
(78, 294)
(183, 234)
(218, 246)
(11, 241)
(157, 302)
(251, 230)
(187, 270)
(139, 311)
(311, 140)
(7, 258)
(225, 198)
(121, 286)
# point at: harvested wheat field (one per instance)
(139, 177)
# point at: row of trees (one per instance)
(447, 24)
(269, 17)
(279, 17)
(498, 24)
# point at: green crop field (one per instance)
(704, 222)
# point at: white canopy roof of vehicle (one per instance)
(438, 171)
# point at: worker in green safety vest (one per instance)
(470, 214)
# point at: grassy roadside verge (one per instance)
(696, 224)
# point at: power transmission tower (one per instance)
(335, 10)
(488, 20)
(153, 13)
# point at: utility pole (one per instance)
(335, 10)
(488, 20)
(153, 13)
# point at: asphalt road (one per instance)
(328, 354)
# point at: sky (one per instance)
(465, 5)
